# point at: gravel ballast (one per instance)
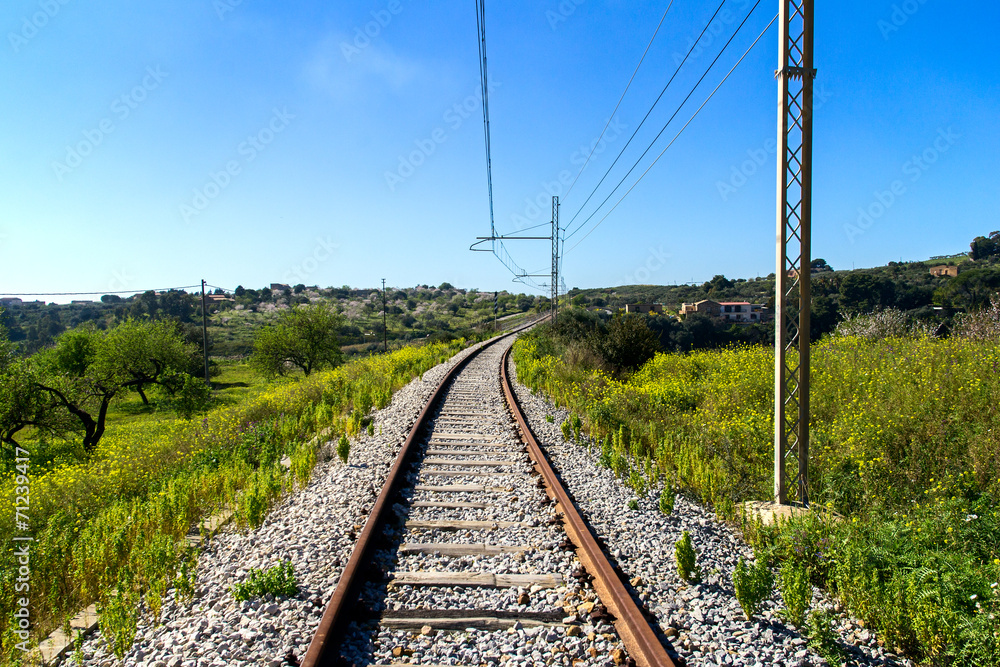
(315, 528)
(704, 620)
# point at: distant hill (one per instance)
(907, 286)
(411, 313)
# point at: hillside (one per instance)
(907, 286)
(411, 314)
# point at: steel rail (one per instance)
(642, 643)
(341, 609)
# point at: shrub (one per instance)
(279, 581)
(822, 640)
(687, 567)
(796, 592)
(343, 448)
(567, 430)
(667, 499)
(633, 504)
(193, 396)
(752, 585)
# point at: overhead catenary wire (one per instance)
(498, 248)
(130, 291)
(484, 81)
(667, 124)
(711, 95)
(620, 99)
(644, 118)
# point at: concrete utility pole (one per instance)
(555, 258)
(792, 277)
(204, 331)
(385, 331)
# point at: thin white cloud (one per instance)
(349, 73)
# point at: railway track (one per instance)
(474, 553)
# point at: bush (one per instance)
(344, 448)
(667, 499)
(687, 567)
(567, 431)
(193, 397)
(796, 592)
(752, 585)
(279, 581)
(822, 640)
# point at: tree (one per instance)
(629, 342)
(865, 293)
(982, 247)
(305, 337)
(971, 290)
(142, 354)
(23, 403)
(88, 369)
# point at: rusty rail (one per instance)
(640, 640)
(322, 649)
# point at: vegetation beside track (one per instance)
(905, 448)
(108, 525)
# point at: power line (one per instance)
(657, 101)
(711, 95)
(134, 291)
(484, 79)
(611, 117)
(667, 124)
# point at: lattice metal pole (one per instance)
(792, 279)
(555, 258)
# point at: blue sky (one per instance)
(251, 141)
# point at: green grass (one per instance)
(108, 527)
(905, 444)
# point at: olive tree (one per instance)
(87, 369)
(304, 337)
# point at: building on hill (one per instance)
(944, 270)
(644, 308)
(217, 298)
(10, 301)
(741, 311)
(279, 287)
(730, 311)
(705, 306)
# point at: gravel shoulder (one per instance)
(313, 527)
(704, 621)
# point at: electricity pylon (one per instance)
(792, 279)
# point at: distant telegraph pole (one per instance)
(794, 264)
(204, 331)
(555, 258)
(385, 331)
